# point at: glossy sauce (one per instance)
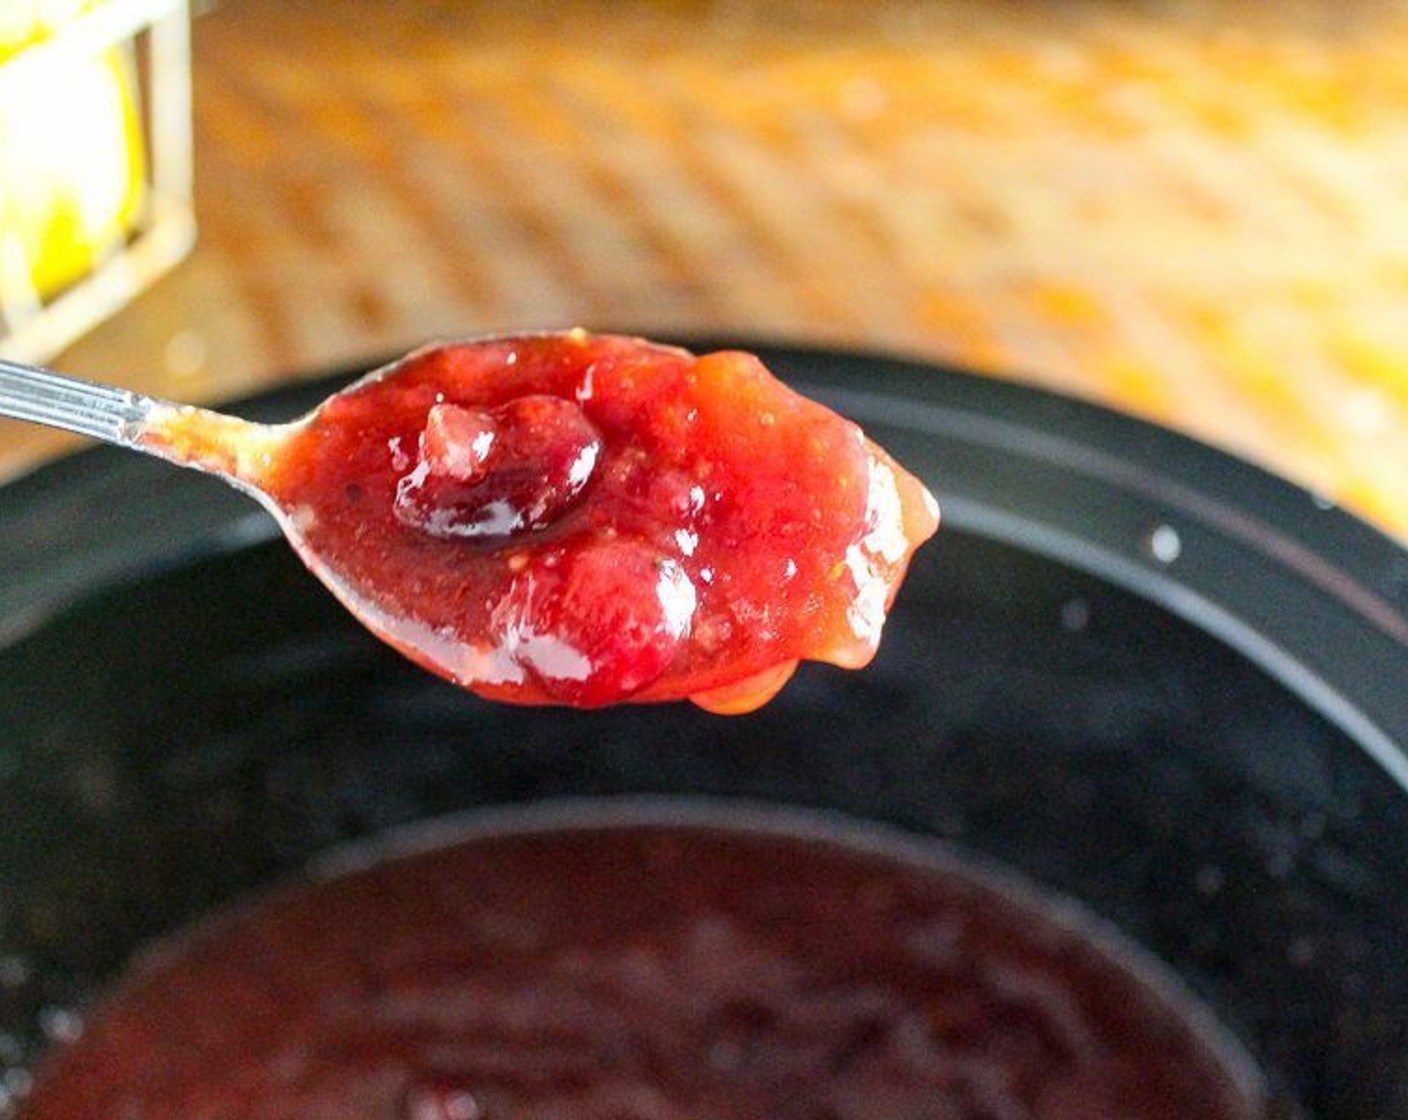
(585, 520)
(712, 968)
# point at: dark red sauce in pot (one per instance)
(717, 967)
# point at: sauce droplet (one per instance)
(437, 1100)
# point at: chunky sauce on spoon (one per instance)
(586, 520)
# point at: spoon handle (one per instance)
(103, 412)
(191, 437)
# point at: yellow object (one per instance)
(72, 165)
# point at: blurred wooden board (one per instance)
(1198, 217)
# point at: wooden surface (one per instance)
(1202, 219)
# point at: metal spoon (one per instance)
(521, 645)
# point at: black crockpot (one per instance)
(1141, 672)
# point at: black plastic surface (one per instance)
(1208, 752)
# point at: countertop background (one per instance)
(1193, 214)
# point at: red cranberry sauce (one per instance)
(646, 972)
(584, 520)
